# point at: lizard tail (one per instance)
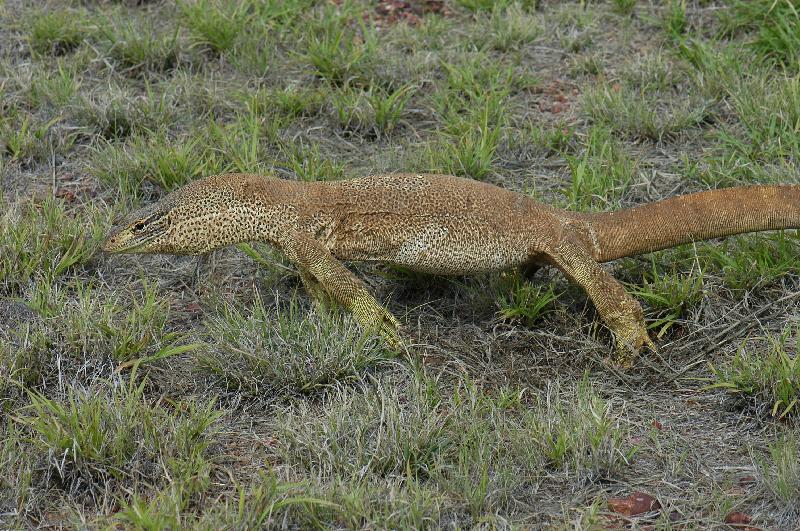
(692, 217)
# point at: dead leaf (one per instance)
(636, 503)
(193, 307)
(737, 518)
(66, 195)
(410, 12)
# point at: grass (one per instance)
(780, 469)
(43, 241)
(388, 107)
(483, 438)
(291, 102)
(766, 136)
(114, 116)
(624, 7)
(214, 24)
(156, 159)
(56, 89)
(715, 67)
(472, 153)
(436, 426)
(524, 301)
(55, 32)
(770, 381)
(631, 113)
(740, 263)
(602, 172)
(353, 112)
(675, 22)
(91, 440)
(29, 139)
(266, 501)
(773, 29)
(337, 52)
(653, 73)
(475, 79)
(139, 47)
(25, 360)
(477, 6)
(308, 164)
(746, 262)
(130, 332)
(238, 145)
(281, 351)
(669, 294)
(550, 140)
(179, 392)
(512, 27)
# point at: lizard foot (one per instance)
(387, 328)
(629, 341)
(376, 318)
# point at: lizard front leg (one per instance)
(321, 298)
(322, 274)
(621, 312)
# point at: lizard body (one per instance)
(445, 225)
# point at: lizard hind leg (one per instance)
(621, 312)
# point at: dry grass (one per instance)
(158, 392)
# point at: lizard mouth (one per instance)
(120, 242)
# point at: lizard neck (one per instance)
(270, 210)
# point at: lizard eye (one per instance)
(138, 226)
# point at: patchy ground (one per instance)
(208, 392)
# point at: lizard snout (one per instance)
(111, 242)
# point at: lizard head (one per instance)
(199, 217)
(147, 230)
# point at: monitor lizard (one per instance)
(442, 224)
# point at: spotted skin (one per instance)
(445, 225)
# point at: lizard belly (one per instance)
(440, 250)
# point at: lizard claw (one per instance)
(629, 342)
(379, 320)
(387, 328)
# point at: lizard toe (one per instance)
(388, 329)
(630, 342)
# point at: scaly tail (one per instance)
(692, 217)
